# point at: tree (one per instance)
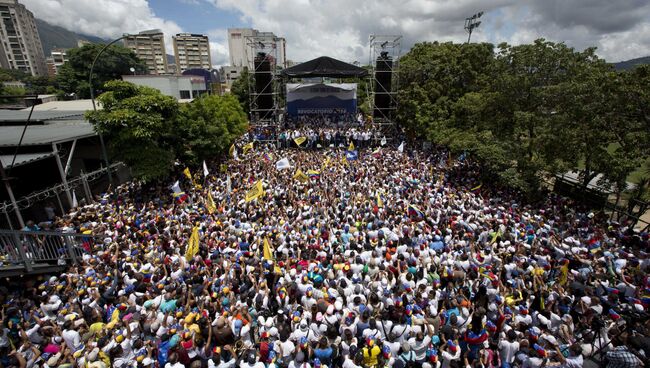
(139, 125)
(112, 64)
(209, 125)
(240, 88)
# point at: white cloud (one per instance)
(103, 18)
(340, 28)
(218, 46)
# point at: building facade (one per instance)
(149, 47)
(21, 46)
(181, 87)
(192, 51)
(55, 61)
(240, 46)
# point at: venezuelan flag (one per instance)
(313, 174)
(414, 212)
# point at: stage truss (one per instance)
(264, 118)
(391, 45)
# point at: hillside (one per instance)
(55, 36)
(629, 64)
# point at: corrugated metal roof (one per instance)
(23, 158)
(66, 106)
(22, 115)
(60, 131)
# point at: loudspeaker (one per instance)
(264, 85)
(383, 81)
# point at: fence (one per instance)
(24, 252)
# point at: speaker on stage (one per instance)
(264, 85)
(383, 81)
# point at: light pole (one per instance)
(471, 23)
(92, 93)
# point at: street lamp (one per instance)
(92, 66)
(92, 90)
(471, 23)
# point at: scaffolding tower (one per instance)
(264, 87)
(385, 51)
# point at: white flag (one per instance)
(176, 187)
(228, 184)
(283, 164)
(401, 147)
(205, 169)
(75, 204)
(383, 141)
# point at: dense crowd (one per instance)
(394, 259)
(360, 137)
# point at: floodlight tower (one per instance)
(471, 23)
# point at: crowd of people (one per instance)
(361, 137)
(398, 258)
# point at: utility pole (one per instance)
(471, 23)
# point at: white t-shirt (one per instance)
(72, 339)
(507, 350)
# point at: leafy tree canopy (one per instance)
(209, 125)
(112, 64)
(148, 131)
(527, 111)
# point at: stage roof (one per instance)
(324, 67)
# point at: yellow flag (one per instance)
(233, 152)
(187, 173)
(326, 163)
(256, 191)
(300, 140)
(211, 206)
(351, 147)
(380, 203)
(266, 253)
(300, 176)
(193, 244)
(564, 274)
(345, 160)
(247, 147)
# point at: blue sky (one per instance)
(197, 16)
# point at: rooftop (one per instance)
(53, 132)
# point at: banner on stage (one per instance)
(331, 98)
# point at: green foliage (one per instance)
(527, 111)
(240, 88)
(112, 64)
(139, 124)
(149, 131)
(209, 125)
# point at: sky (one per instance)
(619, 29)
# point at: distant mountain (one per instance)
(54, 36)
(629, 64)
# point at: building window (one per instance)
(185, 94)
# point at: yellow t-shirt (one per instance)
(370, 356)
(96, 327)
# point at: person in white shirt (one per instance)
(71, 337)
(508, 348)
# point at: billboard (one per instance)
(318, 98)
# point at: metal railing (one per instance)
(27, 250)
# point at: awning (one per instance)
(35, 135)
(23, 158)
